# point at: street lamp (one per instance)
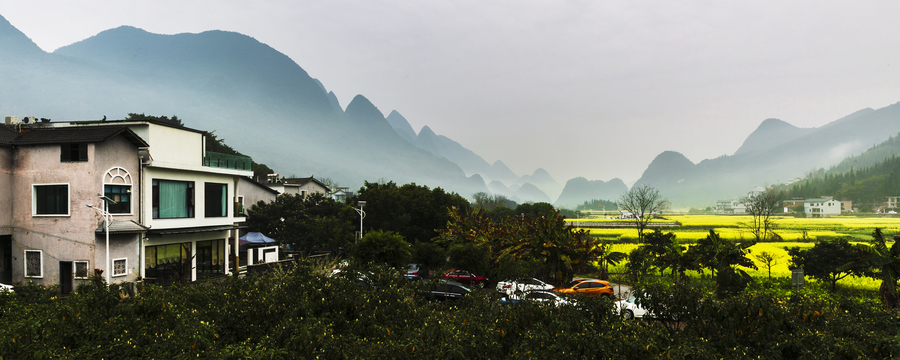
(362, 215)
(106, 218)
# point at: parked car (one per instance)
(415, 272)
(538, 296)
(4, 287)
(465, 277)
(588, 287)
(630, 309)
(444, 289)
(519, 286)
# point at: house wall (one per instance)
(6, 203)
(311, 188)
(171, 145)
(68, 237)
(199, 179)
(254, 193)
(822, 207)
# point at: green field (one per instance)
(696, 227)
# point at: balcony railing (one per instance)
(225, 161)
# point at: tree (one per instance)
(606, 257)
(413, 211)
(490, 202)
(762, 207)
(305, 223)
(382, 247)
(825, 260)
(722, 257)
(643, 202)
(769, 260)
(666, 252)
(174, 120)
(884, 264)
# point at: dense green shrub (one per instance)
(305, 313)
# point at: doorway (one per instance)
(65, 277)
(6, 259)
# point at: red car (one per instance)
(465, 277)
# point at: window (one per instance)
(81, 269)
(51, 199)
(34, 266)
(216, 200)
(210, 258)
(117, 186)
(120, 267)
(173, 199)
(121, 194)
(166, 264)
(73, 152)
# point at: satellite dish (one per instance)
(26, 120)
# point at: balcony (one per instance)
(225, 161)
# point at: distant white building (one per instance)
(821, 207)
(733, 206)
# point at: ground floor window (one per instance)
(82, 269)
(166, 264)
(34, 266)
(210, 258)
(120, 267)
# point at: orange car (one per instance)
(588, 287)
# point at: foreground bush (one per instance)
(302, 313)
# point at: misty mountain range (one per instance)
(265, 105)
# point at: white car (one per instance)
(540, 297)
(513, 287)
(4, 287)
(630, 309)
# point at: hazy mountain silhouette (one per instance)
(251, 95)
(401, 126)
(769, 134)
(770, 156)
(579, 190)
(542, 180)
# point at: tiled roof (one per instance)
(72, 135)
(122, 227)
(7, 135)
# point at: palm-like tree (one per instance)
(884, 261)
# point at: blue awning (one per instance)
(256, 238)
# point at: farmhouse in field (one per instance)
(822, 207)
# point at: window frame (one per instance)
(40, 255)
(207, 199)
(120, 177)
(87, 269)
(125, 268)
(129, 202)
(190, 199)
(66, 151)
(34, 199)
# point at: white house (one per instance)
(822, 207)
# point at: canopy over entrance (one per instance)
(255, 238)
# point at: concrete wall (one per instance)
(254, 193)
(69, 237)
(6, 204)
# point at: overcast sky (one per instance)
(579, 88)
